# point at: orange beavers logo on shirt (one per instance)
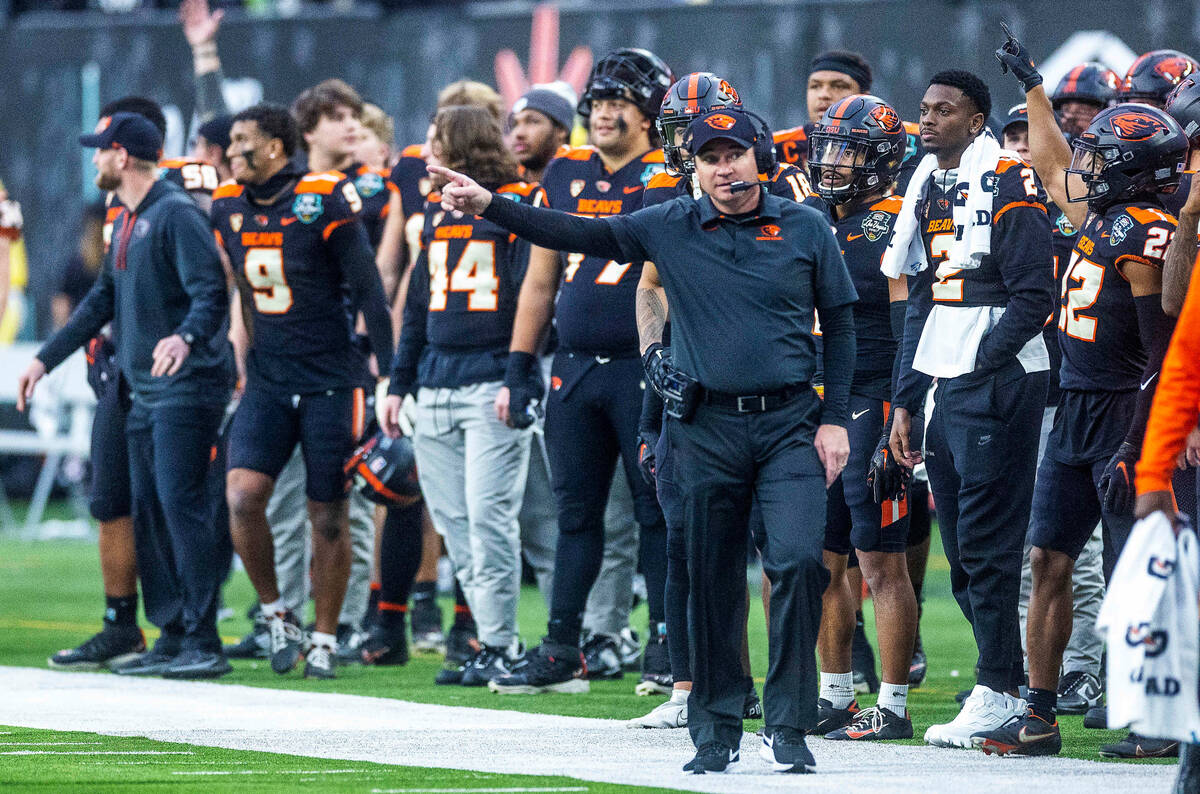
(769, 232)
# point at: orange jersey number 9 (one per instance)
(264, 271)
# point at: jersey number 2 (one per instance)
(1090, 278)
(474, 273)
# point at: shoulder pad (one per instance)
(176, 162)
(662, 180)
(228, 190)
(522, 189)
(653, 156)
(912, 128)
(319, 182)
(1147, 215)
(412, 150)
(792, 134)
(888, 204)
(583, 153)
(1005, 163)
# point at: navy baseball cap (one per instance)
(731, 125)
(1017, 114)
(135, 134)
(216, 131)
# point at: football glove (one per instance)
(525, 389)
(1014, 57)
(647, 441)
(887, 478)
(1116, 483)
(657, 363)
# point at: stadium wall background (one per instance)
(400, 60)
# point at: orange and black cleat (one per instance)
(1028, 734)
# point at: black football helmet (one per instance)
(1183, 103)
(1153, 75)
(385, 470)
(1088, 82)
(689, 98)
(637, 76)
(1129, 150)
(860, 132)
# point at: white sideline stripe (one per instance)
(281, 771)
(473, 790)
(46, 744)
(97, 752)
(355, 728)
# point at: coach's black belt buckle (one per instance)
(752, 404)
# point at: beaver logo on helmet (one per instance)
(1137, 126)
(726, 88)
(1174, 69)
(721, 122)
(888, 119)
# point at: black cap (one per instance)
(550, 104)
(136, 134)
(732, 125)
(216, 131)
(1017, 114)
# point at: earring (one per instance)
(272, 155)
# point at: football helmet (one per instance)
(1183, 103)
(385, 470)
(635, 75)
(1154, 74)
(689, 98)
(861, 133)
(1129, 150)
(1088, 82)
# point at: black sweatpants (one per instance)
(179, 549)
(981, 456)
(722, 460)
(592, 414)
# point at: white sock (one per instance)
(838, 689)
(270, 609)
(328, 640)
(894, 698)
(680, 695)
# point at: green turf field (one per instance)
(50, 599)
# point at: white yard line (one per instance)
(352, 727)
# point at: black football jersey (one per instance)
(1097, 323)
(596, 311)
(301, 335)
(411, 179)
(375, 189)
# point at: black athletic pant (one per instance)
(400, 552)
(179, 550)
(981, 456)
(722, 460)
(592, 416)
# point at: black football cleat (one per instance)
(874, 724)
(1079, 691)
(1134, 746)
(385, 646)
(1027, 734)
(603, 657)
(656, 668)
(550, 668)
(830, 719)
(287, 637)
(195, 665)
(153, 661)
(112, 646)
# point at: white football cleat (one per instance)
(672, 714)
(984, 710)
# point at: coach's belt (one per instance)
(755, 403)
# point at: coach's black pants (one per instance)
(981, 456)
(179, 546)
(721, 461)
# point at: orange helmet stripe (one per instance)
(693, 85)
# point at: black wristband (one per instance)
(520, 368)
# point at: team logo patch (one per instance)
(1160, 568)
(1137, 126)
(603, 186)
(1153, 642)
(769, 232)
(886, 117)
(235, 221)
(368, 184)
(307, 207)
(1064, 226)
(730, 91)
(261, 220)
(1120, 228)
(650, 171)
(555, 382)
(141, 228)
(721, 121)
(577, 186)
(876, 225)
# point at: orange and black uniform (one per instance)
(791, 146)
(375, 189)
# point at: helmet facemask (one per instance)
(841, 167)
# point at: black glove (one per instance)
(525, 389)
(1013, 56)
(647, 441)
(1116, 483)
(657, 363)
(887, 478)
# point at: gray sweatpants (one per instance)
(1087, 584)
(473, 471)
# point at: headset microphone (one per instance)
(738, 187)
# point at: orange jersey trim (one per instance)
(1145, 215)
(890, 204)
(1177, 400)
(1005, 163)
(578, 153)
(228, 190)
(323, 182)
(412, 150)
(663, 179)
(520, 188)
(331, 227)
(653, 156)
(1037, 205)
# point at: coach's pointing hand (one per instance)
(460, 192)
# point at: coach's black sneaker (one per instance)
(1187, 779)
(1027, 734)
(603, 658)
(874, 724)
(153, 661)
(712, 758)
(461, 647)
(830, 719)
(427, 633)
(385, 644)
(919, 666)
(1134, 746)
(548, 668)
(785, 750)
(862, 660)
(320, 662)
(113, 645)
(656, 667)
(487, 664)
(1096, 718)
(286, 638)
(196, 665)
(256, 644)
(1078, 691)
(752, 706)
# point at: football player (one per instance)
(1014, 134)
(1113, 334)
(855, 155)
(1083, 92)
(458, 318)
(378, 137)
(296, 244)
(539, 125)
(595, 396)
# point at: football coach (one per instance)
(742, 272)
